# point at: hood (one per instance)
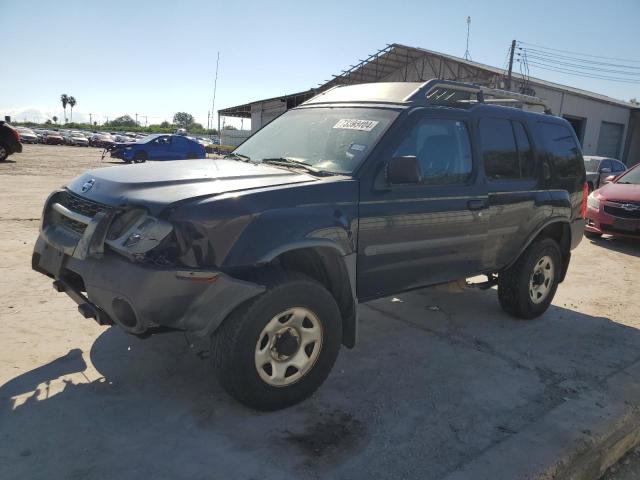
(621, 192)
(125, 144)
(158, 184)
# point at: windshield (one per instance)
(148, 138)
(591, 164)
(334, 139)
(631, 177)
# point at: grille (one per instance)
(621, 212)
(79, 205)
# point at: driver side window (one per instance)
(442, 148)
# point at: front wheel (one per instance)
(526, 289)
(140, 157)
(4, 152)
(278, 348)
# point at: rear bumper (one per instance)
(139, 297)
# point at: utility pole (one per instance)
(215, 86)
(137, 120)
(90, 120)
(513, 49)
(208, 119)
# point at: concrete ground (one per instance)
(441, 385)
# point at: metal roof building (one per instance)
(604, 125)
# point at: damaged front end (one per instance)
(121, 265)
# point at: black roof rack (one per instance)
(448, 92)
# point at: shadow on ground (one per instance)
(621, 245)
(436, 380)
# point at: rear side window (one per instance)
(499, 150)
(506, 150)
(563, 150)
(618, 167)
(525, 154)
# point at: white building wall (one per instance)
(234, 137)
(263, 112)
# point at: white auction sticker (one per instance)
(355, 124)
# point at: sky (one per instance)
(157, 58)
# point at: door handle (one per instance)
(476, 204)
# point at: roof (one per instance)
(396, 56)
(383, 92)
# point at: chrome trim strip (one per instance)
(78, 217)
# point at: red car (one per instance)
(53, 138)
(614, 209)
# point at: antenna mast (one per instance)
(467, 55)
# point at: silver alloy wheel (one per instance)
(541, 280)
(288, 346)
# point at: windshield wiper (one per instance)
(238, 156)
(293, 162)
(625, 183)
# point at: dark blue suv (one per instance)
(361, 192)
(159, 147)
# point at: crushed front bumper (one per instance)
(139, 297)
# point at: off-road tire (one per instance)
(234, 342)
(140, 157)
(4, 152)
(513, 282)
(592, 235)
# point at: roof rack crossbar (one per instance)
(437, 91)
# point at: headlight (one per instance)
(139, 236)
(593, 202)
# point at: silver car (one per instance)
(599, 168)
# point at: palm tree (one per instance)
(55, 119)
(72, 103)
(64, 98)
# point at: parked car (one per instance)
(27, 135)
(40, 134)
(598, 168)
(614, 208)
(159, 147)
(9, 141)
(53, 138)
(101, 140)
(76, 139)
(361, 192)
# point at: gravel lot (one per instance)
(438, 379)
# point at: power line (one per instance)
(578, 53)
(582, 74)
(533, 51)
(583, 67)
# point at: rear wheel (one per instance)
(278, 348)
(140, 157)
(526, 289)
(4, 152)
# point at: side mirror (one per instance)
(403, 170)
(609, 179)
(605, 170)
